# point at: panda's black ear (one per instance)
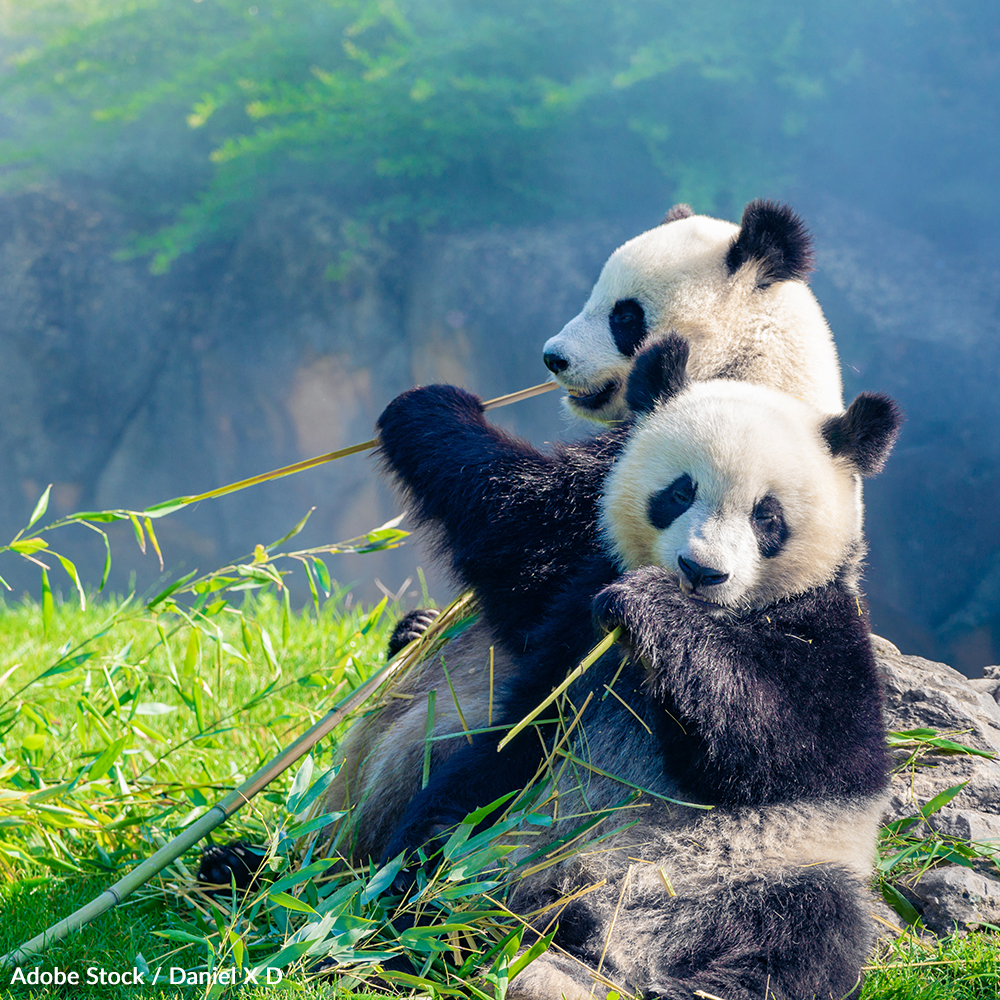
(679, 211)
(776, 239)
(658, 373)
(866, 432)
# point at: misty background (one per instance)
(231, 232)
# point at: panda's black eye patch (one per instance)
(769, 527)
(669, 503)
(628, 326)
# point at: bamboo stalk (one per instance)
(331, 456)
(588, 661)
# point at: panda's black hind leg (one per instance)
(224, 864)
(790, 935)
(411, 626)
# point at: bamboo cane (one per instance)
(309, 463)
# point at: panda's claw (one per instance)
(411, 626)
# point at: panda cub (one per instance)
(737, 294)
(734, 537)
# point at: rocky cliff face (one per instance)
(124, 388)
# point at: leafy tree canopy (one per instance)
(437, 112)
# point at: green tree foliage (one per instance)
(434, 112)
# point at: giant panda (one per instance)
(737, 294)
(732, 533)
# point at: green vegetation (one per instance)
(446, 112)
(957, 968)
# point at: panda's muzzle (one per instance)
(595, 400)
(694, 576)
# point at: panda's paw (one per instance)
(411, 626)
(634, 599)
(425, 411)
(224, 864)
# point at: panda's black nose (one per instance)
(555, 363)
(700, 576)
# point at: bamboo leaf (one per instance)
(41, 507)
(102, 765)
(107, 562)
(322, 574)
(140, 535)
(102, 516)
(305, 873)
(900, 904)
(199, 706)
(152, 537)
(265, 641)
(48, 605)
(28, 546)
(941, 799)
(166, 507)
(382, 880)
(173, 588)
(247, 636)
(300, 785)
(312, 586)
(286, 617)
(74, 576)
(192, 655)
(291, 902)
(291, 534)
(531, 954)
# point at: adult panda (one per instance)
(733, 529)
(737, 294)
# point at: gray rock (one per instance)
(954, 898)
(921, 694)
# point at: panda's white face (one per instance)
(667, 279)
(732, 487)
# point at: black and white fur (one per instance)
(739, 298)
(733, 511)
(737, 294)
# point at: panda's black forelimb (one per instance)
(512, 521)
(759, 699)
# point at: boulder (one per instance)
(921, 694)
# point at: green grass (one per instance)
(957, 968)
(122, 722)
